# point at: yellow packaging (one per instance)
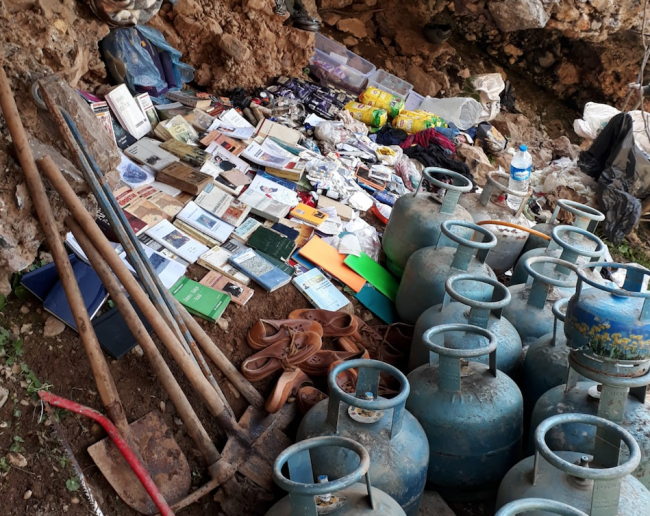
(416, 121)
(372, 116)
(384, 100)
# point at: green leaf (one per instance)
(18, 347)
(4, 464)
(18, 439)
(72, 484)
(3, 301)
(17, 413)
(21, 293)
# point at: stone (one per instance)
(330, 18)
(189, 8)
(17, 459)
(235, 48)
(350, 41)
(4, 396)
(422, 82)
(513, 51)
(334, 4)
(353, 26)
(223, 324)
(476, 160)
(25, 328)
(27, 495)
(546, 60)
(568, 74)
(258, 5)
(583, 24)
(53, 327)
(602, 5)
(24, 309)
(514, 15)
(465, 73)
(563, 148)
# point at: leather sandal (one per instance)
(365, 337)
(308, 397)
(396, 342)
(266, 332)
(335, 324)
(319, 363)
(287, 386)
(346, 380)
(288, 353)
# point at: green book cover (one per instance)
(374, 274)
(200, 300)
(272, 243)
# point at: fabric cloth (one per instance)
(436, 156)
(426, 137)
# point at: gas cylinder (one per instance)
(341, 496)
(531, 308)
(531, 506)
(485, 314)
(472, 415)
(569, 243)
(586, 217)
(423, 283)
(585, 397)
(510, 241)
(578, 479)
(415, 220)
(611, 323)
(396, 442)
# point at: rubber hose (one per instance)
(511, 225)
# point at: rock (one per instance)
(465, 73)
(422, 82)
(162, 406)
(189, 8)
(513, 51)
(563, 148)
(334, 4)
(15, 369)
(353, 26)
(331, 18)
(223, 324)
(137, 351)
(53, 327)
(514, 15)
(24, 309)
(17, 459)
(4, 396)
(27, 495)
(350, 41)
(257, 5)
(546, 60)
(476, 160)
(366, 316)
(75, 500)
(568, 74)
(234, 48)
(26, 328)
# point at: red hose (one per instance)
(122, 446)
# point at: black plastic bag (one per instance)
(623, 174)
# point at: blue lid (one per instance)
(523, 148)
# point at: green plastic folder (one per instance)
(374, 274)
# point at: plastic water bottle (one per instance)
(520, 169)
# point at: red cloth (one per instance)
(426, 137)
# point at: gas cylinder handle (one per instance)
(559, 316)
(570, 253)
(575, 470)
(479, 313)
(493, 182)
(368, 381)
(461, 184)
(300, 484)
(586, 216)
(466, 248)
(449, 377)
(619, 382)
(542, 283)
(538, 504)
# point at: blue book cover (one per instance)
(320, 291)
(262, 272)
(279, 180)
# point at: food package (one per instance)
(416, 121)
(369, 115)
(384, 100)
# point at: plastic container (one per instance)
(520, 170)
(390, 83)
(334, 64)
(413, 101)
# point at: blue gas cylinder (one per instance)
(575, 478)
(423, 283)
(611, 323)
(397, 444)
(569, 243)
(336, 496)
(415, 220)
(530, 506)
(531, 308)
(472, 414)
(485, 314)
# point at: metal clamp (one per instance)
(479, 313)
(538, 504)
(559, 316)
(542, 283)
(300, 484)
(460, 185)
(466, 247)
(368, 381)
(449, 377)
(586, 216)
(493, 182)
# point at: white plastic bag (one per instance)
(489, 88)
(594, 118)
(463, 112)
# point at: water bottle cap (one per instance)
(523, 148)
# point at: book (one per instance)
(363, 177)
(168, 189)
(137, 225)
(184, 178)
(147, 241)
(144, 101)
(267, 127)
(292, 175)
(328, 258)
(272, 243)
(236, 133)
(287, 231)
(169, 111)
(259, 155)
(200, 120)
(260, 270)
(122, 138)
(223, 205)
(374, 274)
(288, 184)
(308, 214)
(226, 160)
(203, 221)
(234, 119)
(187, 99)
(283, 266)
(268, 199)
(200, 300)
(343, 211)
(246, 229)
(320, 291)
(378, 304)
(196, 235)
(148, 152)
(178, 242)
(167, 270)
(218, 138)
(216, 259)
(239, 294)
(134, 175)
(113, 333)
(232, 182)
(177, 128)
(127, 112)
(166, 203)
(187, 153)
(103, 114)
(146, 211)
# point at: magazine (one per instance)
(261, 156)
(237, 133)
(268, 199)
(201, 220)
(226, 160)
(175, 240)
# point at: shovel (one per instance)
(149, 439)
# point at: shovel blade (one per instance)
(163, 459)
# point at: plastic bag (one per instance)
(374, 117)
(331, 132)
(416, 121)
(389, 155)
(489, 139)
(487, 90)
(384, 100)
(409, 173)
(463, 112)
(623, 174)
(594, 118)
